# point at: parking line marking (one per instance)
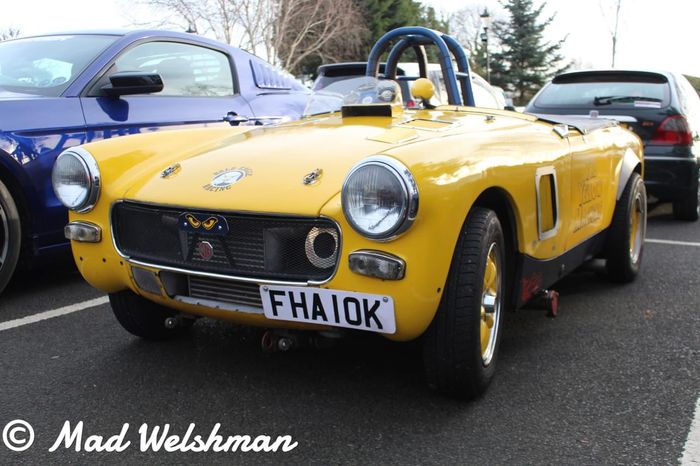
(61, 311)
(669, 241)
(691, 451)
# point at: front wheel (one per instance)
(461, 345)
(144, 318)
(10, 236)
(625, 243)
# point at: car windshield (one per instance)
(597, 91)
(47, 65)
(356, 91)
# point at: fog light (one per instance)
(146, 280)
(377, 264)
(83, 232)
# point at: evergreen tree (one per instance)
(525, 61)
(384, 15)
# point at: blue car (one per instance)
(62, 90)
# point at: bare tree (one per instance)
(9, 33)
(304, 28)
(214, 17)
(466, 26)
(613, 28)
(286, 32)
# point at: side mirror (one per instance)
(133, 82)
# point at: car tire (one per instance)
(461, 345)
(625, 242)
(10, 236)
(688, 209)
(144, 318)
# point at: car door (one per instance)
(593, 186)
(200, 88)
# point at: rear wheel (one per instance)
(461, 345)
(144, 318)
(10, 236)
(688, 208)
(625, 243)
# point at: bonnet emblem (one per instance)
(172, 169)
(223, 179)
(312, 177)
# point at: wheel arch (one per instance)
(501, 202)
(10, 179)
(631, 163)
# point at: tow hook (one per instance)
(547, 300)
(175, 321)
(273, 341)
(286, 340)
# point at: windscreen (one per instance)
(606, 90)
(47, 65)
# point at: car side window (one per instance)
(187, 70)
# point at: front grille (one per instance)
(256, 246)
(225, 291)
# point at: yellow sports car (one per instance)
(364, 215)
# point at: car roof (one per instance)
(136, 34)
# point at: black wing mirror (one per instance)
(133, 82)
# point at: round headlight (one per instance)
(76, 179)
(380, 198)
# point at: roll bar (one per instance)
(458, 83)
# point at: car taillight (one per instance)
(674, 130)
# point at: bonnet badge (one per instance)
(172, 169)
(312, 177)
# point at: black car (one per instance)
(661, 107)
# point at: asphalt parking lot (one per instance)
(613, 380)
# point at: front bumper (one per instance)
(416, 296)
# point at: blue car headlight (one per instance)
(380, 198)
(76, 179)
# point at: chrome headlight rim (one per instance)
(410, 192)
(93, 174)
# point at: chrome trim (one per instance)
(671, 159)
(410, 189)
(90, 165)
(219, 276)
(562, 130)
(545, 171)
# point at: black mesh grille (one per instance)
(256, 246)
